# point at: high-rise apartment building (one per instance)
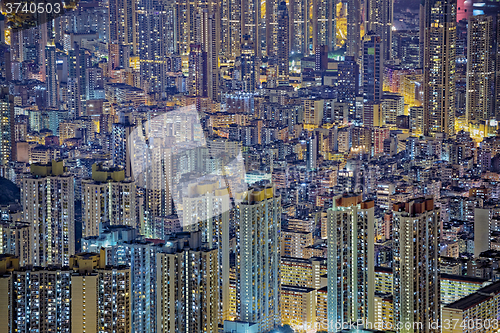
(7, 123)
(415, 264)
(47, 197)
(301, 272)
(251, 26)
(299, 23)
(34, 300)
(258, 258)
(313, 111)
(154, 39)
(455, 287)
(392, 107)
(324, 24)
(123, 32)
(379, 21)
(197, 77)
(271, 28)
(230, 32)
(123, 247)
(100, 295)
(86, 297)
(187, 287)
(497, 69)
(283, 41)
(15, 240)
(107, 198)
(439, 22)
(248, 69)
(480, 69)
(120, 134)
(372, 68)
(354, 23)
(212, 44)
(351, 282)
(298, 307)
(51, 81)
(207, 210)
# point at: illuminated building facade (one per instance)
(480, 65)
(439, 34)
(7, 133)
(100, 295)
(48, 201)
(34, 299)
(302, 272)
(372, 68)
(350, 273)
(415, 260)
(258, 272)
(187, 287)
(455, 287)
(480, 307)
(379, 20)
(123, 32)
(298, 307)
(107, 198)
(283, 41)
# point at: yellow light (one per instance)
(7, 36)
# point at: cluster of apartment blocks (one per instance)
(86, 296)
(172, 283)
(112, 291)
(307, 290)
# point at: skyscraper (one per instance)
(312, 153)
(379, 20)
(248, 65)
(300, 21)
(73, 84)
(154, 37)
(15, 239)
(107, 198)
(354, 22)
(406, 47)
(7, 132)
(283, 40)
(94, 83)
(271, 28)
(206, 211)
(415, 264)
(251, 26)
(351, 277)
(439, 33)
(480, 97)
(372, 68)
(100, 295)
(123, 33)
(187, 286)
(497, 70)
(48, 202)
(38, 299)
(197, 84)
(324, 24)
(212, 48)
(230, 33)
(51, 80)
(123, 248)
(258, 258)
(120, 135)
